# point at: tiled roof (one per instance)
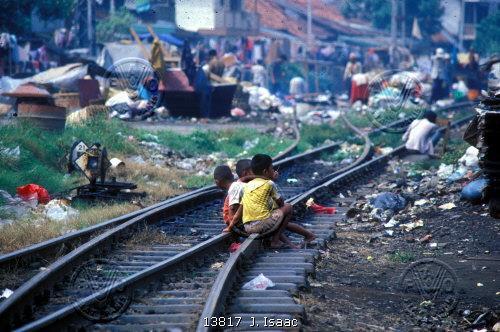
(28, 90)
(290, 16)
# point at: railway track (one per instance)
(276, 308)
(136, 262)
(27, 261)
(188, 221)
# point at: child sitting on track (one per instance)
(224, 179)
(262, 208)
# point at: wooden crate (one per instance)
(70, 100)
(44, 116)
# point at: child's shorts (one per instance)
(262, 226)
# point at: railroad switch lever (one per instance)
(93, 162)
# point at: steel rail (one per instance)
(214, 306)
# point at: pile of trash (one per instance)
(128, 105)
(34, 199)
(260, 99)
(404, 89)
(466, 166)
(347, 153)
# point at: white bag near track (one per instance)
(261, 282)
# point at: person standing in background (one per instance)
(278, 75)
(259, 74)
(473, 76)
(352, 67)
(438, 75)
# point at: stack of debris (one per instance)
(36, 104)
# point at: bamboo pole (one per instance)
(141, 45)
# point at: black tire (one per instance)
(494, 207)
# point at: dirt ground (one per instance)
(359, 283)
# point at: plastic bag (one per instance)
(389, 201)
(473, 191)
(261, 282)
(57, 210)
(15, 205)
(316, 208)
(445, 171)
(470, 157)
(33, 191)
(234, 246)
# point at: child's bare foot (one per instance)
(282, 245)
(276, 245)
(309, 239)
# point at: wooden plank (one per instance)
(141, 45)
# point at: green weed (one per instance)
(402, 257)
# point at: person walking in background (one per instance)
(438, 75)
(259, 74)
(372, 60)
(352, 67)
(278, 75)
(473, 76)
(214, 65)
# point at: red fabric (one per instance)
(322, 209)
(175, 80)
(359, 92)
(31, 191)
(234, 246)
(226, 211)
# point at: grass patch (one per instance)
(402, 257)
(455, 150)
(316, 135)
(234, 143)
(43, 153)
(35, 229)
(198, 181)
(42, 160)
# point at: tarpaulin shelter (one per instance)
(166, 37)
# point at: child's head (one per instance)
(244, 167)
(430, 115)
(262, 164)
(223, 176)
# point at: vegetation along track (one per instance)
(187, 222)
(130, 258)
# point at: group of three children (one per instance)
(254, 200)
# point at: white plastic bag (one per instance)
(57, 210)
(470, 158)
(261, 282)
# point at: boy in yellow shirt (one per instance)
(262, 207)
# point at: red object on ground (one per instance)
(31, 191)
(359, 92)
(234, 246)
(322, 209)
